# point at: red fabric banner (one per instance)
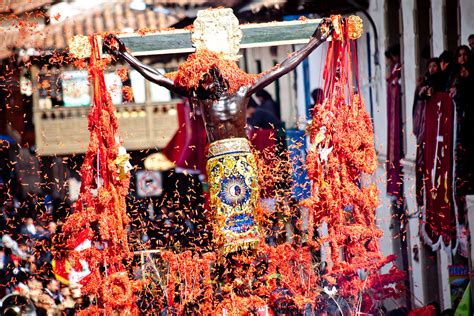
(423, 311)
(439, 217)
(394, 132)
(187, 147)
(418, 117)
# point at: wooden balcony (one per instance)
(63, 130)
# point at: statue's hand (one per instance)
(324, 30)
(114, 45)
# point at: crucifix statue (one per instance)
(212, 81)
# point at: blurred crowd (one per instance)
(26, 274)
(453, 73)
(450, 76)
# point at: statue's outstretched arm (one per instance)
(322, 32)
(146, 71)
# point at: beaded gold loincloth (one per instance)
(233, 186)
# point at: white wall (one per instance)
(437, 26)
(377, 79)
(467, 19)
(390, 242)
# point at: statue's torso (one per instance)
(226, 117)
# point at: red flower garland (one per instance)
(100, 209)
(342, 148)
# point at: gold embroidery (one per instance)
(233, 185)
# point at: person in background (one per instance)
(5, 263)
(68, 303)
(35, 288)
(427, 86)
(470, 41)
(44, 245)
(395, 142)
(29, 230)
(317, 96)
(52, 289)
(432, 81)
(463, 94)
(462, 62)
(445, 62)
(260, 117)
(267, 103)
(49, 302)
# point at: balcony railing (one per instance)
(63, 130)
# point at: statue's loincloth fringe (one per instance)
(239, 245)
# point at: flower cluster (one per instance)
(186, 284)
(191, 72)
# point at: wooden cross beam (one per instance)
(214, 29)
(253, 35)
(219, 30)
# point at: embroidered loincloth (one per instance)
(233, 186)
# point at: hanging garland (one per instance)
(342, 148)
(100, 211)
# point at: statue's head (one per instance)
(212, 85)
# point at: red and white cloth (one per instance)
(439, 226)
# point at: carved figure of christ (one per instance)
(211, 79)
(224, 111)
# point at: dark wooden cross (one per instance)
(216, 30)
(253, 35)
